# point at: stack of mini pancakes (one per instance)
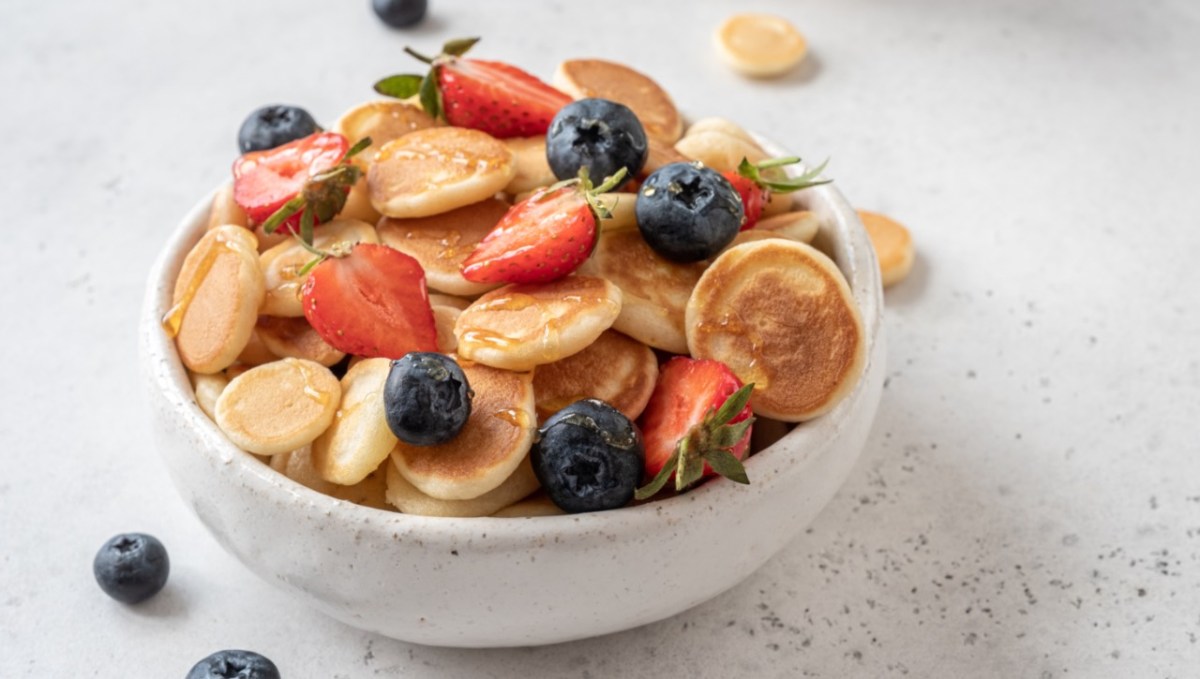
(771, 306)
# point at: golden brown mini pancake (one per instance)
(437, 170)
(495, 440)
(407, 498)
(216, 299)
(583, 78)
(660, 153)
(517, 327)
(277, 407)
(538, 504)
(441, 242)
(615, 369)
(780, 315)
(297, 466)
(282, 264)
(256, 351)
(295, 338)
(893, 246)
(382, 121)
(654, 290)
(359, 439)
(533, 170)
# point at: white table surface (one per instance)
(1028, 504)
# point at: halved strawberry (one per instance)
(696, 424)
(490, 96)
(756, 190)
(544, 237)
(370, 302)
(263, 181)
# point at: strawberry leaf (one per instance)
(724, 463)
(728, 436)
(357, 149)
(775, 162)
(752, 172)
(651, 489)
(733, 405)
(282, 214)
(431, 99)
(691, 465)
(399, 86)
(458, 47)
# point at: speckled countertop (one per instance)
(1028, 504)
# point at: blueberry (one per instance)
(426, 398)
(688, 212)
(599, 134)
(131, 567)
(589, 457)
(234, 665)
(274, 125)
(399, 13)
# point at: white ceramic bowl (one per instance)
(483, 582)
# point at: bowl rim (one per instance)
(852, 253)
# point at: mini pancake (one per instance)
(760, 45)
(533, 170)
(224, 210)
(652, 105)
(382, 121)
(444, 318)
(654, 290)
(780, 315)
(801, 227)
(660, 153)
(279, 406)
(538, 504)
(358, 204)
(615, 369)
(217, 294)
(460, 303)
(207, 389)
(281, 265)
(517, 327)
(295, 338)
(720, 125)
(442, 242)
(622, 208)
(437, 170)
(297, 466)
(256, 352)
(721, 151)
(893, 246)
(407, 498)
(491, 446)
(359, 439)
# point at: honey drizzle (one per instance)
(515, 417)
(172, 321)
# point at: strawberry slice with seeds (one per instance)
(544, 237)
(493, 97)
(371, 301)
(756, 189)
(696, 424)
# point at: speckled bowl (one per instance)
(483, 582)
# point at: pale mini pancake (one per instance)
(358, 203)
(759, 45)
(444, 319)
(382, 121)
(407, 498)
(778, 203)
(801, 227)
(256, 351)
(893, 246)
(215, 303)
(654, 290)
(660, 153)
(721, 151)
(719, 125)
(622, 212)
(297, 466)
(359, 440)
(780, 315)
(615, 369)
(295, 338)
(517, 327)
(281, 265)
(224, 210)
(495, 440)
(266, 241)
(582, 78)
(277, 407)
(538, 504)
(442, 242)
(532, 169)
(460, 303)
(436, 170)
(207, 389)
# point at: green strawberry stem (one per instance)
(406, 85)
(753, 172)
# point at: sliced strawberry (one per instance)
(489, 96)
(263, 181)
(372, 302)
(696, 424)
(544, 237)
(756, 190)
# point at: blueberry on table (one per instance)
(426, 398)
(274, 125)
(588, 457)
(234, 664)
(598, 134)
(131, 567)
(688, 212)
(399, 13)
